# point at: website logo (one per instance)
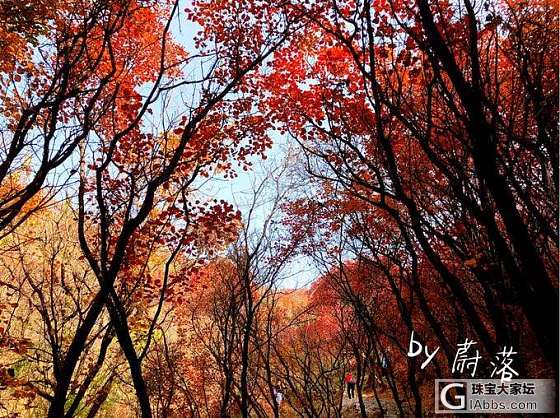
(481, 396)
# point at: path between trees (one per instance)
(350, 408)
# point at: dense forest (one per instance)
(393, 177)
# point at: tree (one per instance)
(46, 291)
(423, 193)
(233, 311)
(62, 71)
(89, 97)
(414, 118)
